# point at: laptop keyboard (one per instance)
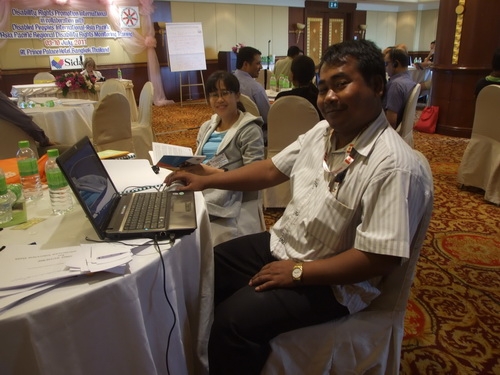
(147, 212)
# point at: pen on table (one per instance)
(109, 255)
(1, 248)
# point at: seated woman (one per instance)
(89, 70)
(303, 71)
(229, 140)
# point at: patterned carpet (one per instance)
(452, 325)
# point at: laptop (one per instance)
(117, 216)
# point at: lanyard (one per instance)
(337, 173)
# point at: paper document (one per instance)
(130, 175)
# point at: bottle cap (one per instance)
(23, 144)
(53, 153)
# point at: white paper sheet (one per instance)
(127, 174)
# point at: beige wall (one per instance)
(416, 29)
(224, 25)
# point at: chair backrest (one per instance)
(145, 104)
(262, 78)
(110, 86)
(487, 113)
(11, 135)
(405, 129)
(44, 77)
(249, 104)
(289, 117)
(366, 342)
(111, 125)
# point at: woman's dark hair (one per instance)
(368, 55)
(230, 82)
(303, 69)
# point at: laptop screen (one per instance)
(90, 181)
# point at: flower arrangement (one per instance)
(74, 81)
(237, 47)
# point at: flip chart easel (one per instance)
(186, 52)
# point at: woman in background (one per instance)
(89, 70)
(229, 140)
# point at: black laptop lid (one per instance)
(90, 183)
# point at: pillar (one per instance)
(468, 32)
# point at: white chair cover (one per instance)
(367, 342)
(11, 135)
(110, 86)
(111, 126)
(142, 130)
(250, 105)
(44, 77)
(288, 117)
(405, 129)
(262, 77)
(480, 166)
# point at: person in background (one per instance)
(494, 77)
(429, 60)
(302, 74)
(11, 113)
(248, 65)
(399, 87)
(89, 70)
(230, 139)
(346, 227)
(284, 66)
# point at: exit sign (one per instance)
(333, 4)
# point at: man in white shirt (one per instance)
(248, 65)
(359, 194)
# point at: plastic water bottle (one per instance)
(59, 191)
(119, 73)
(28, 171)
(272, 83)
(7, 198)
(286, 83)
(281, 81)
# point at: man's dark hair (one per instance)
(369, 56)
(303, 69)
(293, 51)
(495, 62)
(246, 54)
(398, 55)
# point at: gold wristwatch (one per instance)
(297, 272)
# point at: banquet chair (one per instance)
(261, 78)
(43, 77)
(288, 117)
(367, 342)
(111, 85)
(405, 128)
(111, 125)
(11, 135)
(480, 165)
(142, 130)
(249, 105)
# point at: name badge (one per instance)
(218, 161)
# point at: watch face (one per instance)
(296, 273)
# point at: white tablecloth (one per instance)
(50, 89)
(420, 75)
(108, 324)
(67, 122)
